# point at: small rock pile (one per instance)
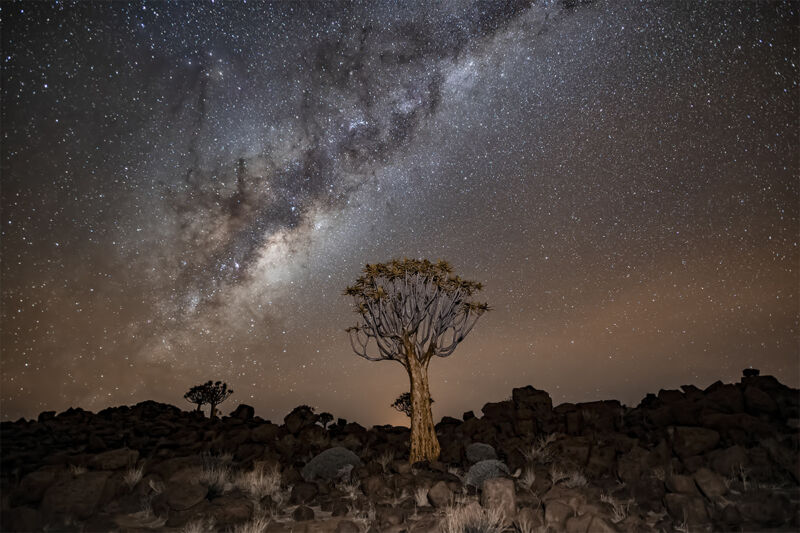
(723, 458)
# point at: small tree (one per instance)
(413, 310)
(212, 393)
(196, 394)
(403, 403)
(325, 419)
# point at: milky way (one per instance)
(187, 188)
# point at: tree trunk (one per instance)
(199, 407)
(213, 411)
(424, 444)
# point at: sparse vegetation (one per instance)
(575, 479)
(413, 310)
(325, 419)
(619, 509)
(77, 470)
(421, 496)
(472, 518)
(527, 479)
(133, 475)
(539, 451)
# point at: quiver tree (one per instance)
(411, 311)
(325, 419)
(403, 403)
(212, 393)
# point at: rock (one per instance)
(440, 495)
(375, 488)
(304, 492)
(649, 492)
(265, 433)
(765, 509)
(328, 464)
(389, 516)
(688, 441)
(231, 510)
(529, 519)
(22, 519)
(578, 524)
(303, 513)
(299, 418)
(32, 487)
(346, 526)
(727, 462)
(181, 495)
(685, 507)
(77, 497)
(724, 398)
(601, 461)
(711, 484)
(243, 412)
(483, 470)
(750, 372)
(114, 459)
(757, 401)
(556, 514)
(537, 401)
(601, 525)
(478, 451)
(681, 484)
(498, 493)
(467, 416)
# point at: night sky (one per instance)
(188, 188)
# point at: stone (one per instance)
(243, 412)
(299, 418)
(556, 514)
(265, 433)
(529, 519)
(483, 470)
(114, 459)
(440, 495)
(711, 484)
(685, 507)
(578, 524)
(681, 484)
(32, 487)
(303, 513)
(727, 461)
(181, 496)
(77, 497)
(478, 451)
(601, 525)
(230, 510)
(304, 492)
(328, 464)
(375, 488)
(757, 401)
(688, 441)
(389, 516)
(498, 493)
(22, 519)
(346, 526)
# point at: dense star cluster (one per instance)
(188, 188)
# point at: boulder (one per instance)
(32, 487)
(681, 484)
(578, 524)
(440, 495)
(181, 495)
(684, 507)
(299, 418)
(329, 464)
(727, 461)
(688, 441)
(757, 401)
(230, 510)
(304, 492)
(243, 412)
(711, 484)
(265, 433)
(114, 459)
(77, 497)
(498, 493)
(483, 470)
(303, 513)
(478, 451)
(556, 514)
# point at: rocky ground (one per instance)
(720, 459)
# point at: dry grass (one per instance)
(385, 459)
(133, 475)
(527, 479)
(575, 479)
(557, 475)
(421, 496)
(619, 510)
(471, 518)
(256, 525)
(539, 451)
(77, 470)
(259, 482)
(349, 488)
(199, 526)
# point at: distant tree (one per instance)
(413, 310)
(325, 419)
(403, 403)
(212, 393)
(197, 394)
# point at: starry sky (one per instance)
(188, 187)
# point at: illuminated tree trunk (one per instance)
(424, 444)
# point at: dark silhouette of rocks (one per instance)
(723, 458)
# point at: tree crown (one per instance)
(412, 306)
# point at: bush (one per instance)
(329, 463)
